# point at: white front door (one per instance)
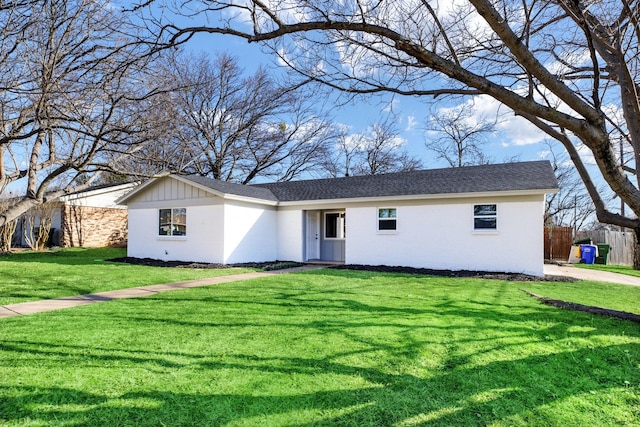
(313, 235)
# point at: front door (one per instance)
(313, 235)
(333, 236)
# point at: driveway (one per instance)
(584, 274)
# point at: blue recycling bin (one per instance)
(588, 253)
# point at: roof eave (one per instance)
(237, 198)
(214, 192)
(485, 194)
(86, 193)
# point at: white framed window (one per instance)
(485, 217)
(172, 222)
(387, 219)
(335, 225)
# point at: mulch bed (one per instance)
(185, 264)
(375, 268)
(515, 277)
(586, 308)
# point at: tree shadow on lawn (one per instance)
(393, 320)
(524, 325)
(290, 389)
(459, 396)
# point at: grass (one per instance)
(28, 276)
(326, 347)
(600, 294)
(621, 269)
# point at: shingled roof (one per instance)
(251, 191)
(522, 176)
(509, 177)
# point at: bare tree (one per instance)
(566, 66)
(236, 128)
(456, 136)
(8, 228)
(344, 155)
(383, 152)
(380, 149)
(571, 206)
(70, 96)
(37, 225)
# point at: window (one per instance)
(173, 222)
(387, 219)
(485, 217)
(334, 225)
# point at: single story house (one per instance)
(88, 218)
(486, 218)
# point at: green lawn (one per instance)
(622, 269)
(600, 294)
(28, 276)
(325, 347)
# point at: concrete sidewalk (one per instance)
(585, 274)
(141, 291)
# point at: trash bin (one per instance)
(574, 255)
(588, 253)
(603, 253)
(586, 241)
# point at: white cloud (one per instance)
(283, 58)
(354, 140)
(411, 123)
(396, 142)
(512, 130)
(576, 59)
(392, 105)
(519, 131)
(586, 155)
(544, 154)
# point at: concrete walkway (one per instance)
(585, 274)
(141, 291)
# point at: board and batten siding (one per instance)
(172, 190)
(440, 235)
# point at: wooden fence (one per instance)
(557, 242)
(621, 242)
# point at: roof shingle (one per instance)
(521, 176)
(225, 187)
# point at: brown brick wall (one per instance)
(93, 227)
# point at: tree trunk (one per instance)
(636, 249)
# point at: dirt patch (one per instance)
(515, 277)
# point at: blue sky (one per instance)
(516, 139)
